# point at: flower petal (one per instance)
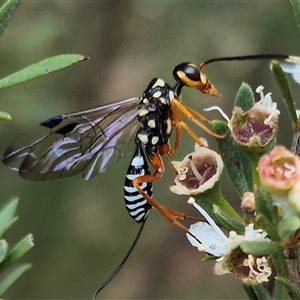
(212, 242)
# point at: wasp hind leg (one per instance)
(170, 214)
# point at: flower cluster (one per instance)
(267, 180)
(249, 268)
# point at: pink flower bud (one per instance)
(279, 170)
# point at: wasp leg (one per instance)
(171, 215)
(193, 116)
(183, 216)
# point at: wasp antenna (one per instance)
(246, 57)
(116, 271)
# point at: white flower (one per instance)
(211, 236)
(248, 268)
(292, 68)
(266, 105)
(198, 172)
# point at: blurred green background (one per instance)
(81, 228)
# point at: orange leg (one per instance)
(193, 116)
(170, 214)
(182, 125)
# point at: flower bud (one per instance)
(279, 170)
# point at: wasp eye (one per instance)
(186, 70)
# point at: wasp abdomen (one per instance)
(137, 206)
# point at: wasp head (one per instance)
(188, 74)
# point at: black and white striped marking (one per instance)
(137, 206)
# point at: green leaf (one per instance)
(3, 250)
(7, 215)
(214, 196)
(6, 13)
(250, 291)
(261, 292)
(227, 222)
(289, 286)
(244, 98)
(5, 116)
(41, 68)
(259, 248)
(288, 227)
(12, 276)
(267, 214)
(236, 163)
(284, 89)
(279, 291)
(17, 251)
(261, 205)
(265, 224)
(296, 8)
(266, 248)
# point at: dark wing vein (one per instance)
(87, 142)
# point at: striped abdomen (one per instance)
(137, 206)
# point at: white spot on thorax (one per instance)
(159, 82)
(151, 123)
(143, 138)
(156, 94)
(163, 100)
(171, 95)
(143, 112)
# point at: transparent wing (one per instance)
(87, 142)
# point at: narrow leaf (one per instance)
(244, 98)
(12, 276)
(296, 8)
(289, 286)
(41, 68)
(236, 163)
(261, 205)
(258, 248)
(267, 248)
(265, 224)
(7, 214)
(17, 251)
(284, 89)
(279, 291)
(3, 249)
(250, 292)
(5, 116)
(214, 196)
(6, 13)
(288, 227)
(227, 222)
(261, 292)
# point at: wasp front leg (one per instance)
(195, 117)
(179, 125)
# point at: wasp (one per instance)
(91, 141)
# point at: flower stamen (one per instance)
(182, 173)
(290, 169)
(219, 109)
(263, 270)
(195, 171)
